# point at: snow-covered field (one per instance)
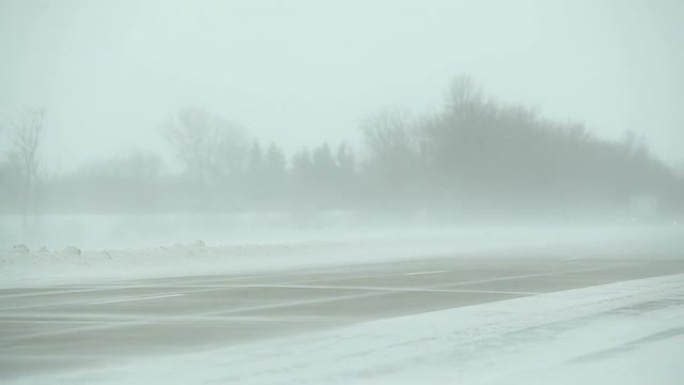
(29, 265)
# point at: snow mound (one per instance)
(20, 249)
(71, 250)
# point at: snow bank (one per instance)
(20, 266)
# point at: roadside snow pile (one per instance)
(20, 266)
(20, 249)
(71, 250)
(198, 244)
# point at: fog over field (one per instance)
(249, 170)
(458, 112)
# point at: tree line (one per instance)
(474, 156)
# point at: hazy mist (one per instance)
(448, 110)
(342, 192)
(301, 72)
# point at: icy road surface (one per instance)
(399, 322)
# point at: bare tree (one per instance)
(464, 94)
(210, 147)
(393, 142)
(389, 132)
(26, 136)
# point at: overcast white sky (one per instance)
(302, 71)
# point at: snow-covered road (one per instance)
(433, 320)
